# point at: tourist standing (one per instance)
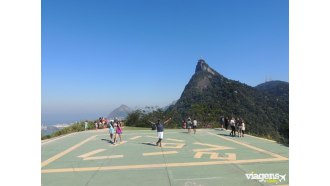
(160, 130)
(240, 128)
(189, 123)
(86, 125)
(194, 125)
(119, 131)
(232, 126)
(184, 124)
(95, 123)
(237, 122)
(222, 122)
(111, 130)
(226, 123)
(243, 128)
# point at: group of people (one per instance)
(101, 123)
(115, 129)
(189, 125)
(237, 125)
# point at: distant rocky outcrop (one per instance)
(48, 130)
(208, 95)
(120, 112)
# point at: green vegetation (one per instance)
(80, 126)
(139, 118)
(77, 127)
(135, 128)
(209, 95)
(265, 114)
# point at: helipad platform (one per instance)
(209, 157)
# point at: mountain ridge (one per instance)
(120, 112)
(209, 94)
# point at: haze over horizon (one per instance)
(99, 55)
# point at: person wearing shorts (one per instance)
(119, 131)
(111, 131)
(160, 130)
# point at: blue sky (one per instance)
(97, 55)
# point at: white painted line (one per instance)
(177, 140)
(161, 165)
(91, 153)
(59, 155)
(159, 153)
(136, 137)
(103, 157)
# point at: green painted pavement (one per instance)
(131, 167)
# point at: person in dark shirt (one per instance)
(222, 122)
(226, 123)
(160, 130)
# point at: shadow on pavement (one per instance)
(109, 141)
(226, 135)
(151, 144)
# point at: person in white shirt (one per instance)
(86, 125)
(189, 123)
(194, 125)
(243, 128)
(232, 125)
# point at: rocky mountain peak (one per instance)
(202, 66)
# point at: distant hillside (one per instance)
(120, 112)
(171, 104)
(276, 88)
(48, 130)
(208, 95)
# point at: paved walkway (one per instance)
(210, 157)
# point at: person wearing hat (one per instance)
(160, 130)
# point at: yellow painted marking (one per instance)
(120, 143)
(170, 145)
(91, 153)
(162, 165)
(171, 139)
(88, 155)
(136, 137)
(215, 147)
(215, 156)
(252, 147)
(141, 132)
(59, 155)
(103, 157)
(145, 166)
(159, 153)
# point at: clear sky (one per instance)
(97, 55)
